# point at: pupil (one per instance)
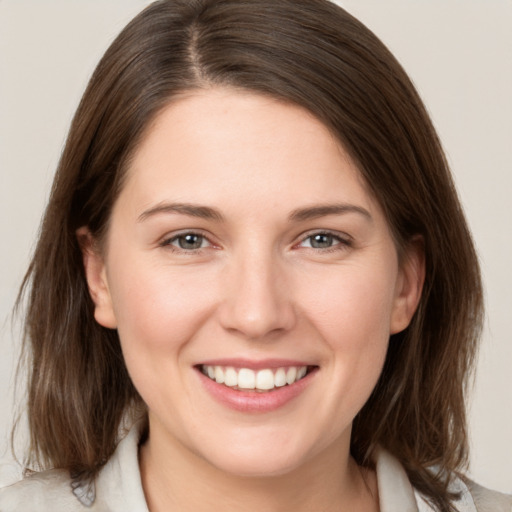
(190, 241)
(321, 241)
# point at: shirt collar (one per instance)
(397, 493)
(119, 488)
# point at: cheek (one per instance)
(352, 313)
(351, 306)
(157, 309)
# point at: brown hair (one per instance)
(314, 54)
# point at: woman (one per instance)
(243, 274)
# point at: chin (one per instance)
(254, 461)
(257, 467)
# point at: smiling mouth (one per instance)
(262, 381)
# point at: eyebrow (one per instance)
(193, 210)
(323, 210)
(298, 215)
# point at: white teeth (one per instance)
(262, 380)
(230, 377)
(246, 379)
(280, 378)
(291, 375)
(265, 379)
(219, 375)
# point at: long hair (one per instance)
(315, 55)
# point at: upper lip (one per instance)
(254, 364)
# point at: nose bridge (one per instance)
(257, 301)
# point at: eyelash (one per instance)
(167, 243)
(341, 242)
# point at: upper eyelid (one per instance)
(337, 234)
(168, 238)
(342, 236)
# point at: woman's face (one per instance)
(243, 251)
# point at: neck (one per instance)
(176, 479)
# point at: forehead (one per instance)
(207, 145)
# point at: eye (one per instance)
(187, 241)
(321, 241)
(324, 240)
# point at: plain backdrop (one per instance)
(458, 53)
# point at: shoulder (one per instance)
(116, 488)
(487, 500)
(397, 493)
(45, 491)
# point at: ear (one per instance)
(95, 274)
(409, 285)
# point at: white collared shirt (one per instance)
(118, 488)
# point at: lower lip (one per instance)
(254, 401)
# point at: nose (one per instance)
(258, 302)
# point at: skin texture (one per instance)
(257, 288)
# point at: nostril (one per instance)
(257, 319)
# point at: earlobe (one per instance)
(409, 285)
(95, 274)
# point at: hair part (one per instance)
(315, 55)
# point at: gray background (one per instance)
(459, 54)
